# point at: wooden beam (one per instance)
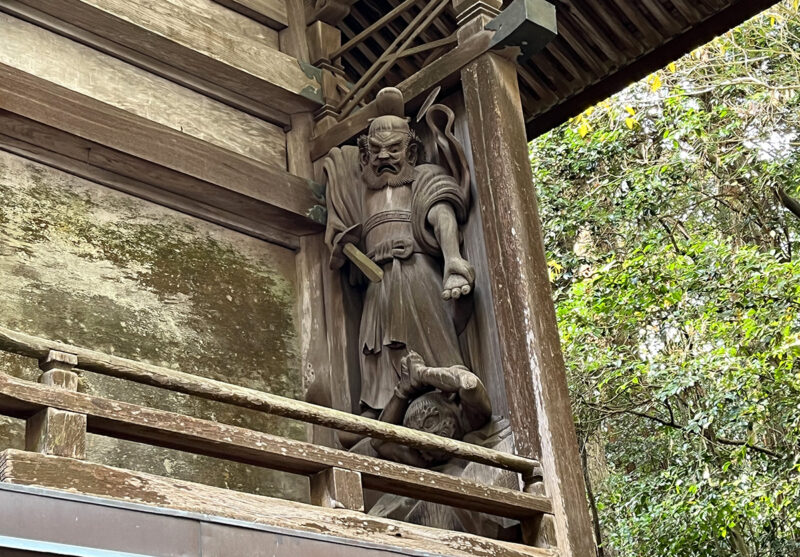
(167, 429)
(536, 382)
(269, 12)
(170, 189)
(240, 178)
(81, 69)
(22, 468)
(148, 63)
(413, 87)
(293, 38)
(90, 360)
(373, 28)
(195, 37)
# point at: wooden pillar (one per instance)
(52, 431)
(535, 377)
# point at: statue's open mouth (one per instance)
(384, 168)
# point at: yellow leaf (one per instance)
(796, 5)
(583, 129)
(673, 68)
(555, 265)
(630, 110)
(655, 82)
(631, 123)
(772, 21)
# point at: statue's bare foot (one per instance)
(459, 276)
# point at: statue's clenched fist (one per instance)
(459, 278)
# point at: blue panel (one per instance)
(60, 548)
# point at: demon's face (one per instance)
(388, 158)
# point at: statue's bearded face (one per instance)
(388, 159)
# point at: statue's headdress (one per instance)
(391, 112)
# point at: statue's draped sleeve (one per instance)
(434, 185)
(344, 195)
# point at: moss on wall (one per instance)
(100, 269)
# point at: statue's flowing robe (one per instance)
(405, 310)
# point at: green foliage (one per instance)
(677, 282)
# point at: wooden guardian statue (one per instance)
(387, 208)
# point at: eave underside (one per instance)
(602, 46)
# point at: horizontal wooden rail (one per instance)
(175, 431)
(90, 360)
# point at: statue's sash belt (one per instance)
(396, 215)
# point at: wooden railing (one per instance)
(57, 418)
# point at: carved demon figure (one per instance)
(405, 217)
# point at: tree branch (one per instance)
(792, 204)
(671, 423)
(721, 440)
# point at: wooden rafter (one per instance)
(386, 60)
(597, 42)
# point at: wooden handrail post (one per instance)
(337, 488)
(52, 431)
(58, 370)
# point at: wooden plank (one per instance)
(83, 70)
(313, 254)
(148, 374)
(157, 427)
(161, 192)
(81, 116)
(194, 36)
(22, 468)
(148, 63)
(56, 432)
(337, 488)
(413, 87)
(536, 384)
(269, 12)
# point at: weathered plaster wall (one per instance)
(100, 269)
